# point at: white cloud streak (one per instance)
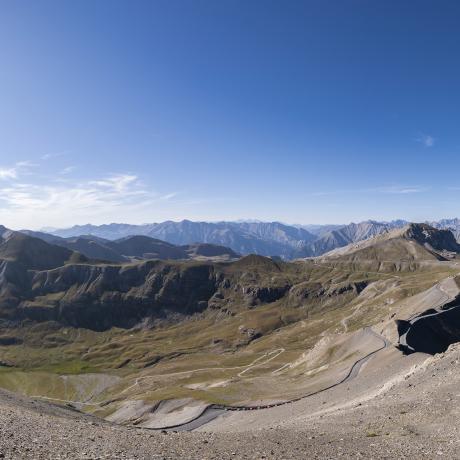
(8, 173)
(58, 203)
(13, 172)
(426, 140)
(67, 170)
(50, 156)
(392, 189)
(402, 189)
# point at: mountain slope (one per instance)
(144, 247)
(240, 332)
(343, 236)
(208, 250)
(133, 247)
(35, 254)
(4, 232)
(266, 238)
(90, 246)
(100, 296)
(448, 224)
(413, 243)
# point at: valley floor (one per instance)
(397, 407)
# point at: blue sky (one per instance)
(299, 111)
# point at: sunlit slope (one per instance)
(264, 330)
(415, 245)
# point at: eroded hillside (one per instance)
(116, 340)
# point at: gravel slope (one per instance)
(396, 408)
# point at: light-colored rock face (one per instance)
(4, 233)
(414, 242)
(265, 238)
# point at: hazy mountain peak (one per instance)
(251, 236)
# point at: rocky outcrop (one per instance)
(256, 295)
(439, 240)
(307, 292)
(431, 332)
(100, 296)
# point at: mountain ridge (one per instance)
(246, 237)
(414, 243)
(45, 282)
(132, 247)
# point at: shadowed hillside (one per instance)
(135, 247)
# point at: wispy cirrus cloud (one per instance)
(8, 173)
(426, 140)
(50, 156)
(116, 182)
(402, 189)
(114, 190)
(19, 168)
(67, 170)
(169, 196)
(46, 200)
(389, 189)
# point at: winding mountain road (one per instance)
(215, 410)
(257, 362)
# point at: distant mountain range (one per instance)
(251, 237)
(268, 239)
(448, 224)
(130, 248)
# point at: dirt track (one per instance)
(412, 416)
(213, 411)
